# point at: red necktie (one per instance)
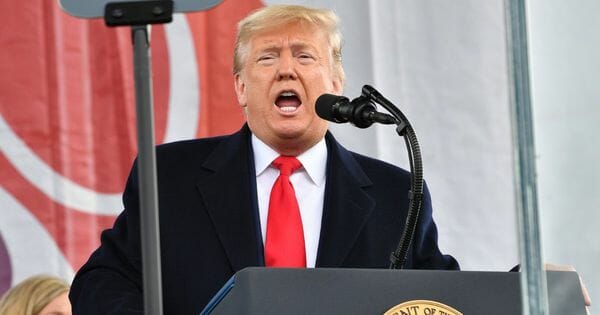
(284, 246)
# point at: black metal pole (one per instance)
(150, 230)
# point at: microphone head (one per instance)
(326, 104)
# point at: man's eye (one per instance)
(266, 58)
(306, 58)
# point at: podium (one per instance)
(375, 291)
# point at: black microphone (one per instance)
(359, 112)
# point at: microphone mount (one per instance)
(404, 129)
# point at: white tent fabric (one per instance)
(564, 49)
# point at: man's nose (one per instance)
(287, 68)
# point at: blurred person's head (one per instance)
(38, 295)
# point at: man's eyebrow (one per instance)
(275, 46)
(268, 47)
(301, 45)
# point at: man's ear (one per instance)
(240, 89)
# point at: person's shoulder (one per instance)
(185, 146)
(373, 165)
(194, 150)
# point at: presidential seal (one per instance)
(422, 307)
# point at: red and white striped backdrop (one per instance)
(67, 121)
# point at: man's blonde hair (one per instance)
(32, 295)
(279, 15)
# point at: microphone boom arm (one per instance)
(415, 195)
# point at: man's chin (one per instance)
(293, 141)
(290, 130)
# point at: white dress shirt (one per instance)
(309, 185)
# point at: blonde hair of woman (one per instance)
(37, 295)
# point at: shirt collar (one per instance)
(314, 160)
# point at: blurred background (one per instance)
(67, 132)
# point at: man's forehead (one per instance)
(289, 36)
(293, 42)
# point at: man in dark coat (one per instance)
(214, 193)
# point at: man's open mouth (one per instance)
(288, 101)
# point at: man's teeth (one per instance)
(283, 102)
(288, 109)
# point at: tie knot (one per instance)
(286, 164)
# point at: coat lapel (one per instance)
(347, 206)
(226, 192)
